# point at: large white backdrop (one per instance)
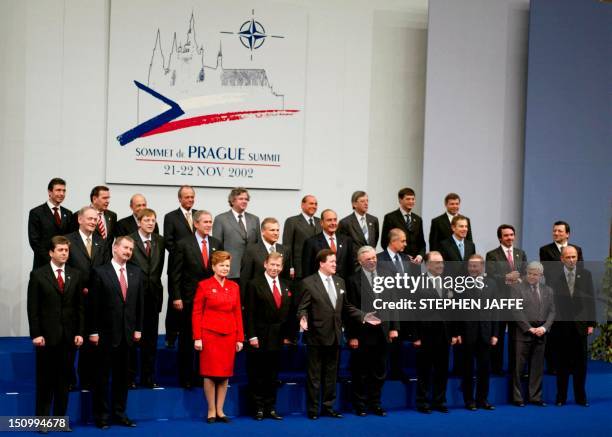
(233, 74)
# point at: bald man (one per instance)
(128, 225)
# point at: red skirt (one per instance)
(218, 353)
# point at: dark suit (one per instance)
(296, 231)
(115, 321)
(227, 230)
(253, 263)
(575, 314)
(153, 290)
(58, 316)
(351, 227)
(323, 338)
(498, 267)
(42, 227)
(271, 325)
(441, 230)
(80, 260)
(110, 220)
(435, 334)
(128, 225)
(455, 264)
(187, 271)
(536, 312)
(176, 228)
(415, 241)
(369, 360)
(344, 254)
(476, 341)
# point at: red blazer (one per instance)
(217, 308)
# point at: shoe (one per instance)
(538, 403)
(102, 424)
(43, 431)
(272, 414)
(583, 404)
(441, 408)
(169, 344)
(258, 415)
(379, 411)
(312, 416)
(471, 407)
(518, 403)
(485, 406)
(332, 413)
(559, 403)
(223, 419)
(360, 413)
(424, 410)
(131, 385)
(210, 420)
(186, 385)
(124, 421)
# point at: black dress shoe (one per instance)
(441, 408)
(223, 419)
(131, 386)
(518, 403)
(424, 410)
(559, 403)
(379, 411)
(471, 407)
(272, 414)
(210, 420)
(186, 385)
(583, 403)
(102, 424)
(332, 413)
(312, 416)
(43, 431)
(124, 421)
(485, 406)
(258, 415)
(538, 403)
(360, 413)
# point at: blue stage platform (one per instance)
(171, 403)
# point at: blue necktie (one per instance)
(461, 249)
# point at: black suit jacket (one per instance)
(151, 267)
(415, 241)
(113, 319)
(351, 227)
(434, 325)
(344, 255)
(385, 261)
(110, 219)
(128, 225)
(176, 228)
(271, 325)
(79, 259)
(252, 263)
(487, 326)
(187, 269)
(498, 266)
(56, 316)
(325, 321)
(359, 293)
(454, 264)
(551, 258)
(441, 230)
(296, 231)
(42, 227)
(575, 313)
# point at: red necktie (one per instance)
(58, 220)
(276, 294)
(509, 258)
(204, 253)
(332, 245)
(148, 248)
(123, 283)
(101, 225)
(60, 280)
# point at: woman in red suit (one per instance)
(217, 332)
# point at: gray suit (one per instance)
(536, 312)
(227, 230)
(295, 232)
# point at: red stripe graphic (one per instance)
(219, 118)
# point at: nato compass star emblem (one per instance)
(252, 34)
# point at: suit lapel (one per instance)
(50, 274)
(114, 279)
(323, 291)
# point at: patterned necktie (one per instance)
(409, 221)
(311, 222)
(331, 291)
(510, 258)
(272, 248)
(461, 249)
(88, 246)
(123, 283)
(189, 219)
(204, 253)
(58, 220)
(242, 226)
(332, 245)
(398, 264)
(571, 282)
(148, 248)
(364, 228)
(60, 280)
(101, 226)
(276, 294)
